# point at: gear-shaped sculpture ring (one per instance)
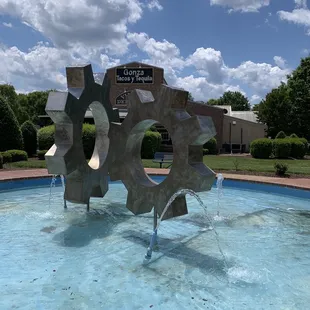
(66, 156)
(188, 134)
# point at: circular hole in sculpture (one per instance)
(95, 135)
(151, 147)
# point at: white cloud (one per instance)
(201, 89)
(242, 5)
(209, 63)
(255, 99)
(8, 25)
(261, 77)
(279, 61)
(41, 67)
(160, 53)
(213, 76)
(88, 31)
(98, 24)
(300, 15)
(154, 4)
(107, 62)
(301, 3)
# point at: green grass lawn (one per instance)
(217, 163)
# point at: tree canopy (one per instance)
(190, 97)
(236, 100)
(287, 108)
(25, 106)
(10, 133)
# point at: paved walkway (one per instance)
(289, 182)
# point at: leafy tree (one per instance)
(10, 133)
(274, 111)
(236, 100)
(255, 107)
(190, 97)
(8, 93)
(287, 107)
(36, 102)
(213, 102)
(299, 93)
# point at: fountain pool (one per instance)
(53, 258)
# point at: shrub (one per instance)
(1, 161)
(30, 137)
(281, 148)
(150, 144)
(41, 154)
(205, 152)
(261, 148)
(89, 139)
(293, 135)
(305, 142)
(298, 148)
(211, 146)
(10, 133)
(280, 168)
(18, 155)
(46, 137)
(7, 157)
(280, 135)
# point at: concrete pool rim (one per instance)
(21, 179)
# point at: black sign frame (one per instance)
(134, 75)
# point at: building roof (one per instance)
(250, 116)
(246, 115)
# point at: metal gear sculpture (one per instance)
(188, 134)
(118, 146)
(66, 156)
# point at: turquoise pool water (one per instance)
(56, 259)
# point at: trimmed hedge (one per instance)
(261, 148)
(46, 138)
(41, 154)
(305, 142)
(7, 157)
(18, 155)
(280, 135)
(1, 161)
(150, 144)
(281, 148)
(298, 148)
(30, 137)
(293, 135)
(211, 146)
(89, 139)
(10, 133)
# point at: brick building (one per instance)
(235, 130)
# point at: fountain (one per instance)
(53, 184)
(181, 192)
(254, 254)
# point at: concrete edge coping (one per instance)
(42, 173)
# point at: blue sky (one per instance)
(205, 46)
